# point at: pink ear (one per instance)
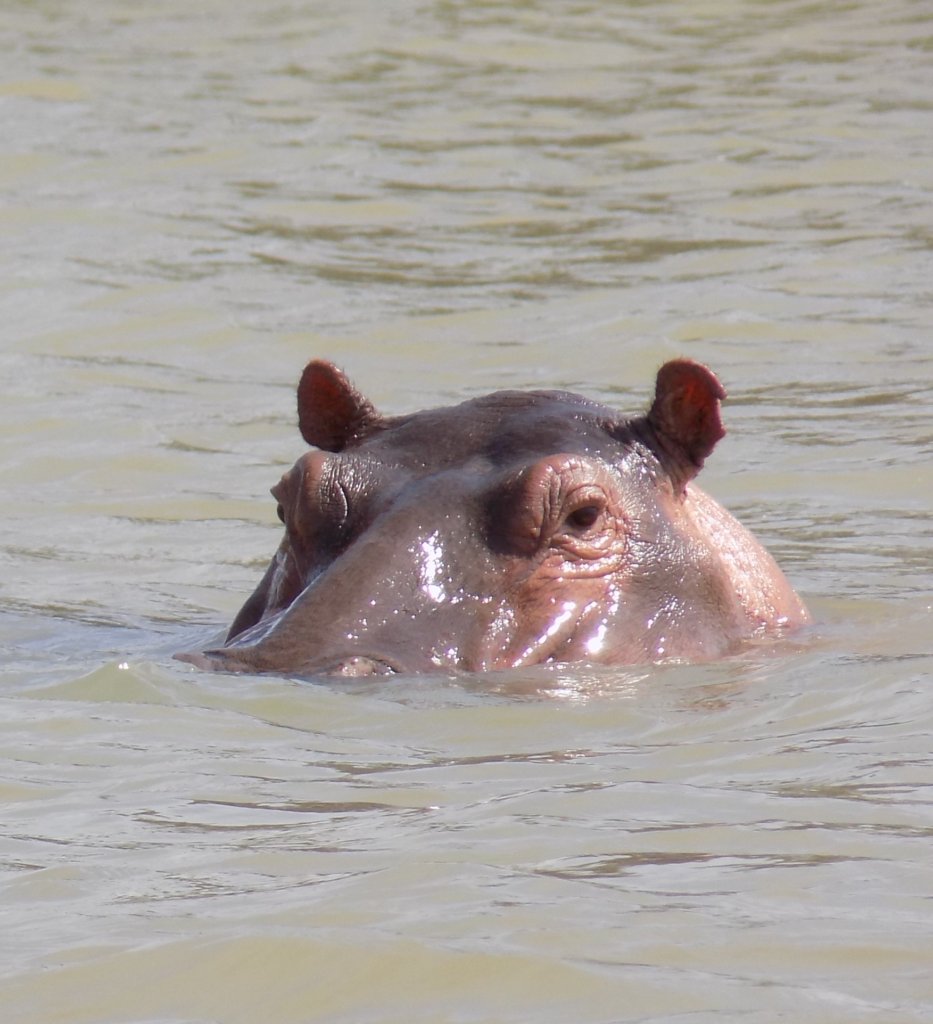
(332, 414)
(685, 412)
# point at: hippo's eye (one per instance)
(583, 518)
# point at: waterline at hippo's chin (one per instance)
(355, 666)
(360, 666)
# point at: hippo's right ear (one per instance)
(332, 414)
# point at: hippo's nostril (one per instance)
(359, 666)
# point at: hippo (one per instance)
(515, 529)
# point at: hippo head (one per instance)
(514, 529)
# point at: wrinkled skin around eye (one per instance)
(312, 504)
(569, 521)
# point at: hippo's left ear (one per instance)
(332, 414)
(684, 417)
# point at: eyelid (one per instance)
(584, 516)
(586, 496)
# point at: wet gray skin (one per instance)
(516, 529)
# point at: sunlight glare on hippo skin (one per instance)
(567, 610)
(432, 578)
(595, 643)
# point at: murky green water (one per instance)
(446, 198)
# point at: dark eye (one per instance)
(280, 512)
(583, 518)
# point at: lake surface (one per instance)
(447, 198)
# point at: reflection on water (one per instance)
(447, 198)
